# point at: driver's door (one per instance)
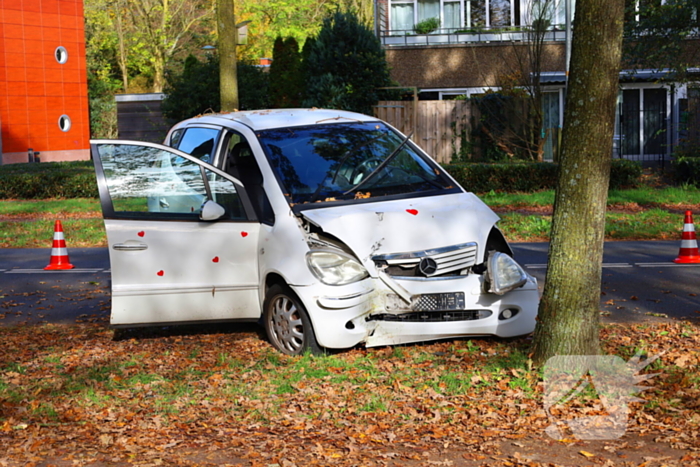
(168, 266)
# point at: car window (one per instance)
(144, 179)
(199, 142)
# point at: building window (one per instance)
(499, 13)
(402, 17)
(61, 55)
(64, 123)
(428, 9)
(451, 13)
(455, 14)
(641, 123)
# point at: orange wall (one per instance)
(36, 90)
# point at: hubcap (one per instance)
(286, 325)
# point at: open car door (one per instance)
(173, 258)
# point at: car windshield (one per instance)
(336, 162)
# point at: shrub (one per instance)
(624, 173)
(510, 177)
(530, 176)
(77, 179)
(687, 170)
(48, 180)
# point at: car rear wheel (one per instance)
(287, 323)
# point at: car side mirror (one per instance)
(211, 211)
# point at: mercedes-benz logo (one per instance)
(427, 266)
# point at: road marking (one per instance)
(39, 271)
(605, 265)
(626, 265)
(666, 265)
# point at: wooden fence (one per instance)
(440, 128)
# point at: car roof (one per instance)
(280, 118)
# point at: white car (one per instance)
(331, 226)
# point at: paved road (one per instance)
(640, 282)
(640, 279)
(28, 294)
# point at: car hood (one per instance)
(407, 225)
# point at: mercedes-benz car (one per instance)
(330, 227)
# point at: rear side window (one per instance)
(199, 142)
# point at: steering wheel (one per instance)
(363, 169)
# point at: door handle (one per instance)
(130, 246)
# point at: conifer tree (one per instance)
(285, 74)
(345, 66)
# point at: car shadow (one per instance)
(237, 330)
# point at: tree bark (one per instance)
(568, 321)
(228, 38)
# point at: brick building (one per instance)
(475, 44)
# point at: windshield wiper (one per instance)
(380, 166)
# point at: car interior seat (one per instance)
(243, 166)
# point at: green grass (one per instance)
(647, 225)
(31, 223)
(540, 198)
(49, 206)
(644, 195)
(39, 233)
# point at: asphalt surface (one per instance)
(640, 282)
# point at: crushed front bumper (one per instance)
(371, 312)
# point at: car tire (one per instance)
(287, 323)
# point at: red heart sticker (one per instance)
(244, 234)
(412, 211)
(215, 259)
(160, 273)
(141, 234)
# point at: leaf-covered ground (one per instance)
(75, 395)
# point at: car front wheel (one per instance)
(287, 323)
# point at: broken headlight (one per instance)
(503, 274)
(335, 268)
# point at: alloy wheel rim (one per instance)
(287, 326)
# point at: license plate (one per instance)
(427, 302)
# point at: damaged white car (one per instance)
(331, 226)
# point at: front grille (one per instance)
(432, 317)
(451, 260)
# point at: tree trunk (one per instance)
(122, 59)
(228, 38)
(158, 72)
(569, 310)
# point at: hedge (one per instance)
(48, 180)
(687, 170)
(528, 177)
(77, 179)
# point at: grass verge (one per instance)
(644, 213)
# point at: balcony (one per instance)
(443, 36)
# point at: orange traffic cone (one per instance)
(59, 253)
(689, 243)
